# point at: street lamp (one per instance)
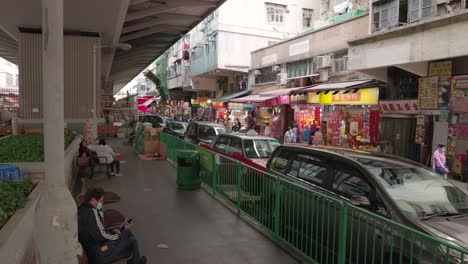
(121, 46)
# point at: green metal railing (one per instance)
(321, 228)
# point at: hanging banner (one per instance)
(428, 93)
(440, 69)
(400, 107)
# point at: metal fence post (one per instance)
(239, 179)
(277, 209)
(342, 234)
(214, 173)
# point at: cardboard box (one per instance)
(151, 147)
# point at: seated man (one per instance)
(100, 245)
(105, 154)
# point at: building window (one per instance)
(9, 79)
(307, 15)
(386, 14)
(275, 13)
(265, 75)
(299, 68)
(420, 9)
(341, 64)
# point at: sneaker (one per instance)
(119, 174)
(142, 260)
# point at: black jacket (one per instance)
(91, 231)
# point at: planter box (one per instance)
(17, 235)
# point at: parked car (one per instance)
(203, 132)
(389, 186)
(155, 120)
(252, 149)
(176, 128)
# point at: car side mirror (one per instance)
(237, 155)
(360, 201)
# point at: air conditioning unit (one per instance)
(281, 78)
(257, 72)
(275, 68)
(324, 75)
(324, 61)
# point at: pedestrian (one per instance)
(318, 138)
(298, 134)
(306, 135)
(229, 125)
(238, 124)
(105, 154)
(288, 136)
(439, 163)
(267, 131)
(99, 244)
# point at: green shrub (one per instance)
(27, 148)
(13, 196)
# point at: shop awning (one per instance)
(256, 98)
(281, 92)
(338, 85)
(226, 98)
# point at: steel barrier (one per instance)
(319, 227)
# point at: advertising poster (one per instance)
(444, 93)
(440, 69)
(429, 93)
(459, 95)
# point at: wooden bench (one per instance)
(109, 197)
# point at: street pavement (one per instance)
(182, 226)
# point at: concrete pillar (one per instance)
(56, 220)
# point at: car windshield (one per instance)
(220, 130)
(259, 148)
(419, 192)
(178, 126)
(206, 133)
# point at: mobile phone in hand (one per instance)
(129, 222)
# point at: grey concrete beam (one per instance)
(169, 6)
(151, 31)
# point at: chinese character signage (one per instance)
(349, 97)
(400, 107)
(368, 96)
(459, 95)
(428, 93)
(440, 69)
(313, 98)
(218, 105)
(235, 106)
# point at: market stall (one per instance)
(349, 116)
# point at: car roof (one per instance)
(244, 136)
(365, 158)
(206, 123)
(180, 122)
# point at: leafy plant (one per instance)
(13, 196)
(27, 148)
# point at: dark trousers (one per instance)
(115, 166)
(114, 248)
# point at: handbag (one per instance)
(82, 161)
(440, 170)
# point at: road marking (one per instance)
(147, 190)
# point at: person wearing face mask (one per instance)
(99, 244)
(439, 163)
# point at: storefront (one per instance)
(347, 113)
(202, 109)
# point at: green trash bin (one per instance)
(188, 170)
